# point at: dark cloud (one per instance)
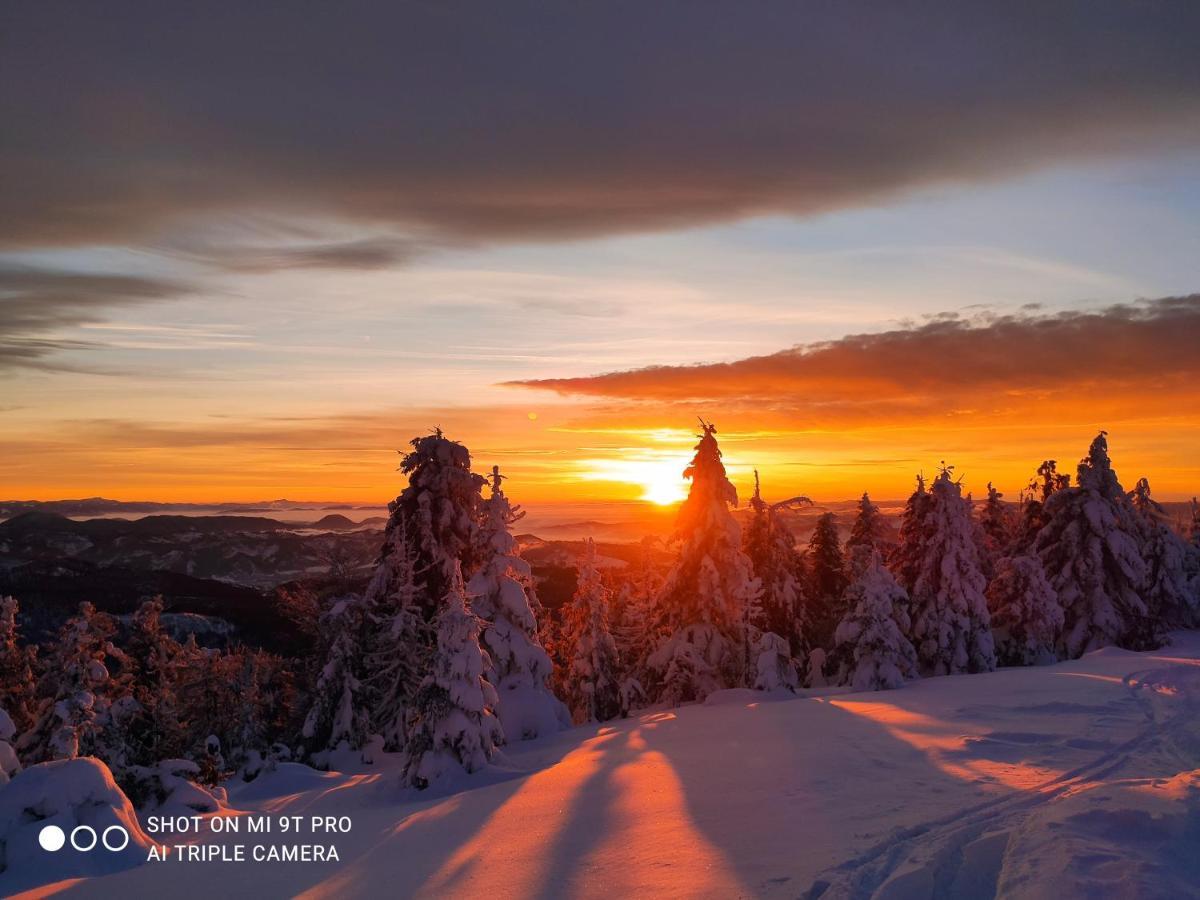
(1143, 354)
(498, 121)
(35, 304)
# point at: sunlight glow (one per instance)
(660, 478)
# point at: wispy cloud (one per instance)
(38, 305)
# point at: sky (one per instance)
(248, 253)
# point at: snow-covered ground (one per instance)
(1076, 780)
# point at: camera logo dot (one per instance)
(52, 838)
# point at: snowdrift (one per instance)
(67, 794)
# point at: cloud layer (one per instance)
(1141, 355)
(534, 119)
(36, 305)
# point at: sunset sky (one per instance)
(247, 253)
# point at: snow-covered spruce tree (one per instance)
(825, 583)
(1168, 593)
(940, 569)
(771, 548)
(875, 654)
(996, 527)
(1026, 618)
(1033, 504)
(398, 640)
(438, 514)
(157, 727)
(703, 604)
(905, 561)
(452, 724)
(338, 716)
(1194, 527)
(634, 623)
(17, 666)
(593, 676)
(75, 692)
(9, 764)
(869, 534)
(500, 593)
(1089, 547)
(774, 667)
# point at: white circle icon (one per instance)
(122, 835)
(52, 838)
(85, 830)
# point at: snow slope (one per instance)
(1081, 779)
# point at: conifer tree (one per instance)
(703, 602)
(9, 764)
(1033, 507)
(1090, 550)
(74, 691)
(157, 727)
(501, 592)
(634, 624)
(771, 548)
(774, 667)
(438, 513)
(1026, 617)
(869, 534)
(1194, 528)
(338, 714)
(826, 581)
(950, 621)
(593, 676)
(1168, 594)
(996, 528)
(397, 639)
(17, 666)
(875, 654)
(905, 560)
(452, 723)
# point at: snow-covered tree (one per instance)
(9, 764)
(501, 592)
(704, 601)
(875, 654)
(940, 569)
(996, 528)
(826, 581)
(74, 691)
(1194, 526)
(157, 729)
(438, 514)
(593, 675)
(774, 667)
(338, 714)
(17, 665)
(1033, 505)
(634, 623)
(869, 534)
(905, 560)
(1089, 547)
(1168, 592)
(771, 548)
(1026, 617)
(398, 641)
(452, 723)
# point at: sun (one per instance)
(659, 478)
(664, 489)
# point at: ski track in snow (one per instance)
(935, 859)
(947, 788)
